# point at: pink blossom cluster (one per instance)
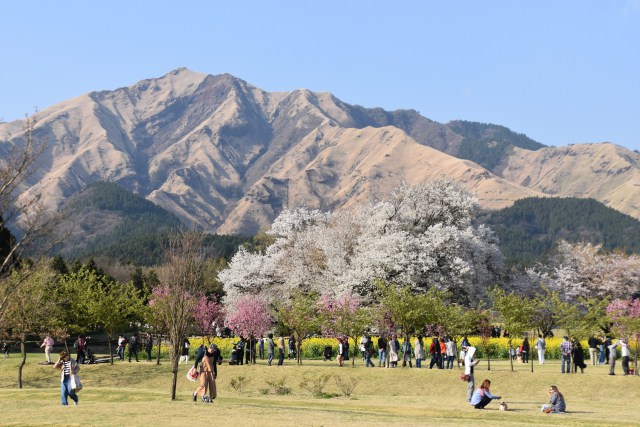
(624, 308)
(208, 314)
(249, 317)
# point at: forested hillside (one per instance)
(485, 144)
(532, 226)
(123, 226)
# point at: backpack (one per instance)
(75, 344)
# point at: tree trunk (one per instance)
(109, 344)
(355, 346)
(23, 361)
(159, 346)
(488, 362)
(174, 369)
(531, 359)
(298, 355)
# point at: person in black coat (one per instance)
(525, 350)
(577, 354)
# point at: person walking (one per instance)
(382, 351)
(208, 373)
(184, 354)
(133, 347)
(434, 351)
(292, 347)
(280, 351)
(593, 350)
(368, 347)
(418, 350)
(261, 347)
(626, 356)
(450, 352)
(148, 346)
(47, 343)
(469, 363)
(122, 343)
(566, 348)
(601, 352)
(541, 347)
(607, 344)
(270, 349)
(363, 341)
(394, 348)
(341, 351)
(612, 357)
(80, 346)
(240, 347)
(406, 352)
(6, 348)
(525, 350)
(578, 356)
(69, 367)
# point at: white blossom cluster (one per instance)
(583, 270)
(421, 236)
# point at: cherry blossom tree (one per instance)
(516, 314)
(625, 316)
(301, 316)
(176, 298)
(344, 316)
(422, 236)
(249, 317)
(208, 314)
(582, 270)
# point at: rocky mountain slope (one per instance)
(225, 156)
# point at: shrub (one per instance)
(346, 386)
(315, 385)
(239, 383)
(278, 387)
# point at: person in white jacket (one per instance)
(626, 356)
(469, 363)
(612, 357)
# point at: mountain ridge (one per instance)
(226, 156)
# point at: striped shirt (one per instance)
(67, 368)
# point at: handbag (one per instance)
(192, 374)
(76, 385)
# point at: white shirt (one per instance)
(624, 349)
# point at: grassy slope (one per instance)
(137, 393)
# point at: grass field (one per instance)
(138, 394)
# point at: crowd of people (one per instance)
(387, 350)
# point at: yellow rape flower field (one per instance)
(138, 394)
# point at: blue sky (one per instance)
(561, 72)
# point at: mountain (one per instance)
(225, 156)
(530, 228)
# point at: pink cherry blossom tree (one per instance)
(625, 317)
(208, 315)
(249, 317)
(344, 316)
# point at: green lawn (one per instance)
(138, 394)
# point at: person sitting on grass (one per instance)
(556, 403)
(481, 397)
